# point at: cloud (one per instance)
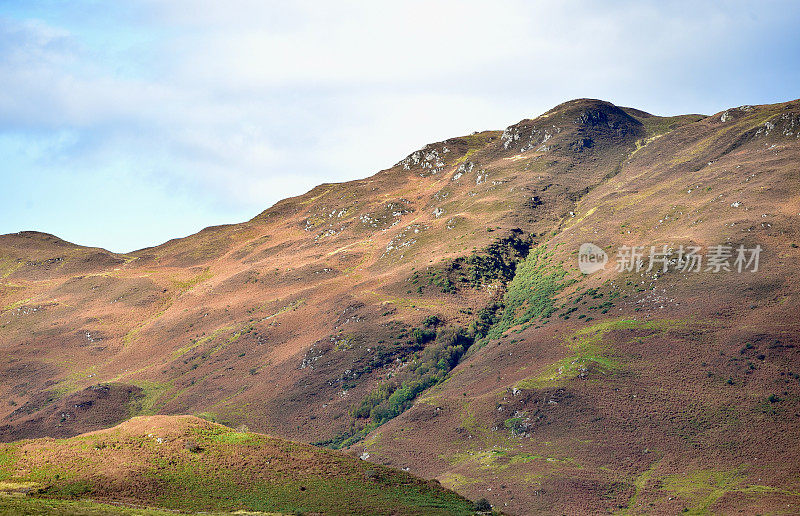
(237, 104)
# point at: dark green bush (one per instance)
(431, 321)
(430, 367)
(423, 335)
(483, 505)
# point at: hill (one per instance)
(188, 464)
(434, 317)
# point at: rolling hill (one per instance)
(433, 317)
(187, 464)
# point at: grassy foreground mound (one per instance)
(189, 464)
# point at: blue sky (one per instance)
(125, 124)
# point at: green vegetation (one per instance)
(16, 505)
(433, 277)
(16, 304)
(483, 505)
(589, 352)
(194, 343)
(9, 266)
(425, 369)
(200, 466)
(659, 125)
(487, 317)
(431, 321)
(152, 393)
(475, 143)
(530, 294)
(430, 364)
(515, 424)
(498, 262)
(504, 457)
(702, 488)
(533, 285)
(185, 285)
(640, 483)
(8, 457)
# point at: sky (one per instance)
(125, 124)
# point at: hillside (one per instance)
(432, 317)
(188, 464)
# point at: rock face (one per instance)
(576, 125)
(433, 317)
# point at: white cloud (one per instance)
(246, 102)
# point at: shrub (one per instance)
(431, 321)
(483, 505)
(394, 396)
(423, 335)
(515, 424)
(487, 317)
(497, 262)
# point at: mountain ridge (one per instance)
(586, 101)
(437, 305)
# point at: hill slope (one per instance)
(436, 308)
(188, 464)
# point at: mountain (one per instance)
(433, 317)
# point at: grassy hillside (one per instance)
(188, 464)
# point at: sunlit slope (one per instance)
(640, 391)
(429, 285)
(187, 464)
